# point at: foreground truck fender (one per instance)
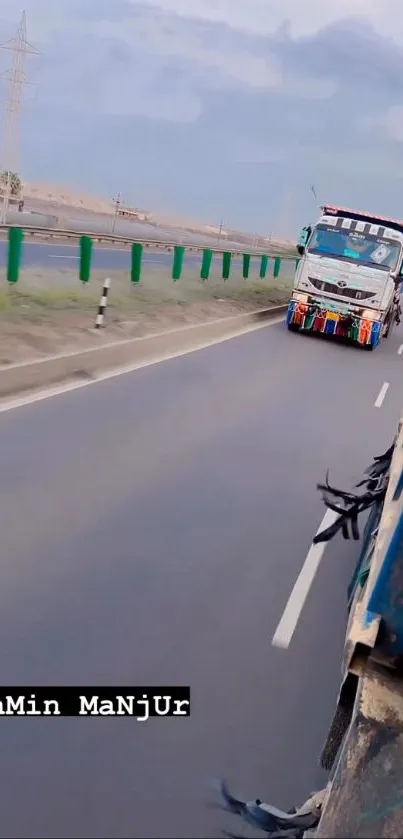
(363, 752)
(364, 748)
(348, 278)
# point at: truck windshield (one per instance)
(352, 246)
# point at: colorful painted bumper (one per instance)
(314, 318)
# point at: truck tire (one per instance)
(389, 324)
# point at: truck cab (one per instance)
(348, 278)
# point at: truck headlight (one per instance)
(301, 298)
(370, 314)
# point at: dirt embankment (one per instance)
(50, 311)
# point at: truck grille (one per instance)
(333, 288)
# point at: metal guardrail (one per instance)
(154, 244)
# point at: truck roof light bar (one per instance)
(331, 210)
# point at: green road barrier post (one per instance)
(179, 255)
(137, 260)
(226, 264)
(206, 264)
(86, 247)
(277, 266)
(263, 266)
(15, 241)
(245, 265)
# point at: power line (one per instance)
(220, 231)
(117, 202)
(16, 79)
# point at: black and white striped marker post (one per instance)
(102, 304)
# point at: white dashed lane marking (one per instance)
(381, 395)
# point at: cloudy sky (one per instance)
(217, 108)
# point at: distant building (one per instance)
(135, 214)
(215, 231)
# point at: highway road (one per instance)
(153, 526)
(56, 255)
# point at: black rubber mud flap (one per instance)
(340, 723)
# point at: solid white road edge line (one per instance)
(400, 350)
(39, 396)
(381, 395)
(146, 260)
(296, 601)
(44, 243)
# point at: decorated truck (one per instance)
(348, 279)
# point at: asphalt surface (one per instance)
(153, 526)
(54, 255)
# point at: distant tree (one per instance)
(15, 182)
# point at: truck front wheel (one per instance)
(389, 324)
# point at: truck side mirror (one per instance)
(397, 277)
(303, 239)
